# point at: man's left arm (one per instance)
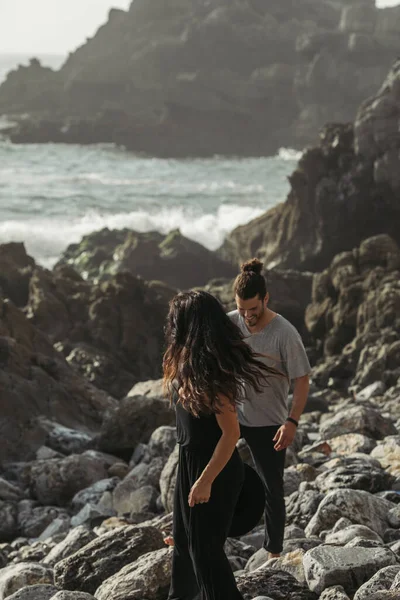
(286, 434)
(298, 369)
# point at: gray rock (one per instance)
(334, 593)
(391, 535)
(384, 595)
(32, 553)
(259, 558)
(34, 592)
(302, 506)
(358, 506)
(10, 492)
(74, 541)
(388, 454)
(57, 481)
(162, 441)
(148, 577)
(8, 521)
(89, 567)
(342, 523)
(255, 538)
(141, 454)
(168, 479)
(134, 421)
(15, 577)
(382, 580)
(57, 527)
(327, 566)
(144, 500)
(394, 517)
(396, 583)
(291, 562)
(359, 419)
(45, 453)
(143, 474)
(349, 533)
(297, 474)
(93, 493)
(354, 473)
(65, 439)
(294, 532)
(395, 547)
(119, 470)
(377, 388)
(64, 595)
(273, 583)
(33, 519)
(292, 480)
(153, 388)
(363, 542)
(91, 515)
(349, 443)
(300, 544)
(235, 547)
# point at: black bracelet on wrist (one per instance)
(293, 421)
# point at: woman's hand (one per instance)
(200, 493)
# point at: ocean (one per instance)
(53, 194)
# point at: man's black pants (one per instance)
(270, 465)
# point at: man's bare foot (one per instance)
(273, 555)
(169, 540)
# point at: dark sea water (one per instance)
(51, 195)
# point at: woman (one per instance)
(205, 366)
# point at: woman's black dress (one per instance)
(200, 568)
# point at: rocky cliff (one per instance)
(178, 78)
(343, 190)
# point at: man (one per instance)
(265, 423)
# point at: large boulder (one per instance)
(172, 259)
(358, 419)
(132, 422)
(36, 381)
(111, 332)
(355, 315)
(16, 268)
(18, 576)
(328, 566)
(273, 583)
(149, 575)
(90, 566)
(358, 506)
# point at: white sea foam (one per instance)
(289, 154)
(52, 195)
(46, 239)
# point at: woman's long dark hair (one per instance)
(206, 355)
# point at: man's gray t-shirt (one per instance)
(283, 348)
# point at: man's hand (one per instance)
(285, 435)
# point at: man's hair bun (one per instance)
(252, 266)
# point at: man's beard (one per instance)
(255, 318)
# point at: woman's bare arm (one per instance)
(228, 422)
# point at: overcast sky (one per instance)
(58, 26)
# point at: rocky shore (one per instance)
(88, 444)
(193, 78)
(86, 479)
